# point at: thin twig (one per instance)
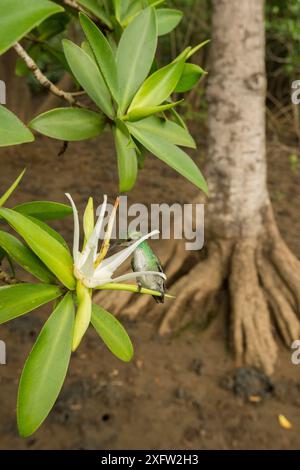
(43, 80)
(73, 4)
(6, 278)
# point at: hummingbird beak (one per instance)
(123, 242)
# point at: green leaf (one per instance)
(50, 231)
(71, 124)
(127, 159)
(135, 54)
(55, 256)
(12, 130)
(158, 87)
(103, 54)
(11, 189)
(44, 210)
(118, 8)
(178, 119)
(46, 368)
(53, 26)
(130, 8)
(20, 253)
(112, 333)
(167, 20)
(197, 48)
(167, 130)
(18, 299)
(86, 72)
(171, 155)
(17, 18)
(140, 113)
(190, 76)
(94, 7)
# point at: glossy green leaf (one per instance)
(178, 119)
(55, 256)
(158, 87)
(12, 130)
(11, 189)
(88, 75)
(17, 18)
(69, 124)
(112, 333)
(103, 54)
(44, 210)
(171, 155)
(167, 20)
(135, 54)
(2, 255)
(167, 130)
(46, 368)
(127, 159)
(94, 7)
(87, 48)
(189, 78)
(197, 48)
(18, 299)
(130, 9)
(50, 231)
(118, 8)
(22, 255)
(140, 113)
(155, 3)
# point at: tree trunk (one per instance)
(245, 252)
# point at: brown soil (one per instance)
(178, 393)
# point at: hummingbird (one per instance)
(144, 259)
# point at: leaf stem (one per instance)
(131, 288)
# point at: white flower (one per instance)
(90, 266)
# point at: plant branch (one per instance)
(73, 4)
(43, 80)
(131, 288)
(6, 278)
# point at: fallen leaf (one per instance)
(255, 398)
(284, 422)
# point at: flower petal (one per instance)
(92, 242)
(76, 229)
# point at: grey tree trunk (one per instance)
(236, 97)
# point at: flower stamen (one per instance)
(106, 242)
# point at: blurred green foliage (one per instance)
(283, 46)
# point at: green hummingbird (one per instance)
(144, 259)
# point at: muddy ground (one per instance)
(177, 393)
